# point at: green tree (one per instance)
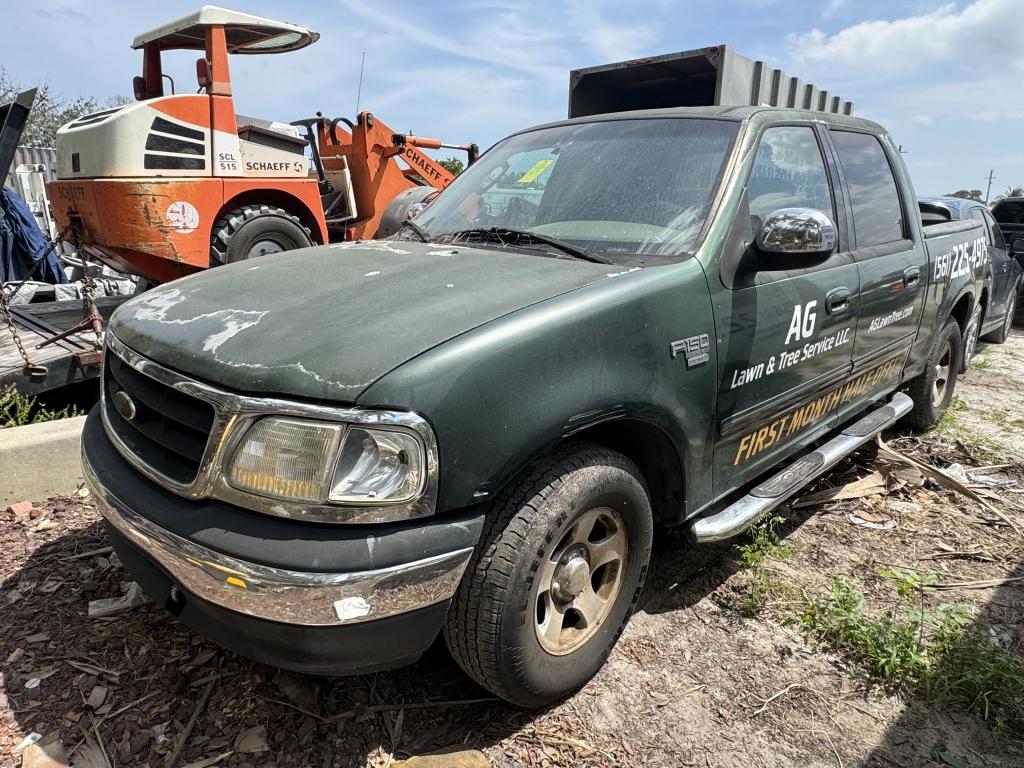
(454, 165)
(50, 111)
(1011, 192)
(967, 194)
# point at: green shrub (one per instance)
(765, 543)
(938, 654)
(762, 583)
(17, 410)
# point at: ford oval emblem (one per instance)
(124, 405)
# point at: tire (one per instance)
(526, 575)
(1003, 333)
(255, 230)
(969, 340)
(932, 391)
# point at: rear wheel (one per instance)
(970, 340)
(255, 230)
(555, 577)
(1003, 333)
(932, 391)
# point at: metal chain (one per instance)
(89, 303)
(88, 282)
(5, 306)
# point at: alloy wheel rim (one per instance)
(971, 342)
(942, 374)
(580, 580)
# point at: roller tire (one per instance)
(237, 234)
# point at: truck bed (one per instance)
(67, 361)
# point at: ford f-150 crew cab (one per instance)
(669, 317)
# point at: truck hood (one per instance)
(327, 322)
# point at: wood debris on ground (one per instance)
(694, 681)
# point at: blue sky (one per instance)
(946, 78)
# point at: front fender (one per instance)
(502, 394)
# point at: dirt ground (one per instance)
(695, 681)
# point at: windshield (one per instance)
(628, 189)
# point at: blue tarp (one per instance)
(24, 252)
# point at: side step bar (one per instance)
(738, 516)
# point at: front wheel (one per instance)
(556, 576)
(932, 391)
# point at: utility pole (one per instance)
(989, 189)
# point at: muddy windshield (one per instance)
(635, 191)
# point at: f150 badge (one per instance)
(696, 349)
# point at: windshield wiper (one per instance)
(421, 233)
(501, 234)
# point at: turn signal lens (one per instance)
(376, 465)
(286, 458)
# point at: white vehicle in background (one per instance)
(33, 168)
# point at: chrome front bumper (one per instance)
(274, 594)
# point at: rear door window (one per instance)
(997, 234)
(978, 215)
(874, 198)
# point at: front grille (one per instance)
(170, 429)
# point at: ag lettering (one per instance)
(802, 325)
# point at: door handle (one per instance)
(837, 300)
(911, 277)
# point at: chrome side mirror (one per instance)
(797, 230)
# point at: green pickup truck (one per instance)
(605, 326)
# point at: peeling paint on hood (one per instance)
(327, 322)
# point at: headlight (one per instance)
(319, 462)
(286, 458)
(377, 465)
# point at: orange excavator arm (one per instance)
(372, 149)
(424, 166)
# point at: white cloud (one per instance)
(500, 38)
(505, 65)
(833, 7)
(940, 66)
(949, 70)
(967, 38)
(609, 40)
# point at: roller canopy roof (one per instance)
(245, 32)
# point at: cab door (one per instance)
(893, 268)
(786, 322)
(1003, 274)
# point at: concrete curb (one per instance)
(38, 461)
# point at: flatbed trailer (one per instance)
(73, 359)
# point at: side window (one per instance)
(998, 240)
(788, 172)
(877, 214)
(977, 214)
